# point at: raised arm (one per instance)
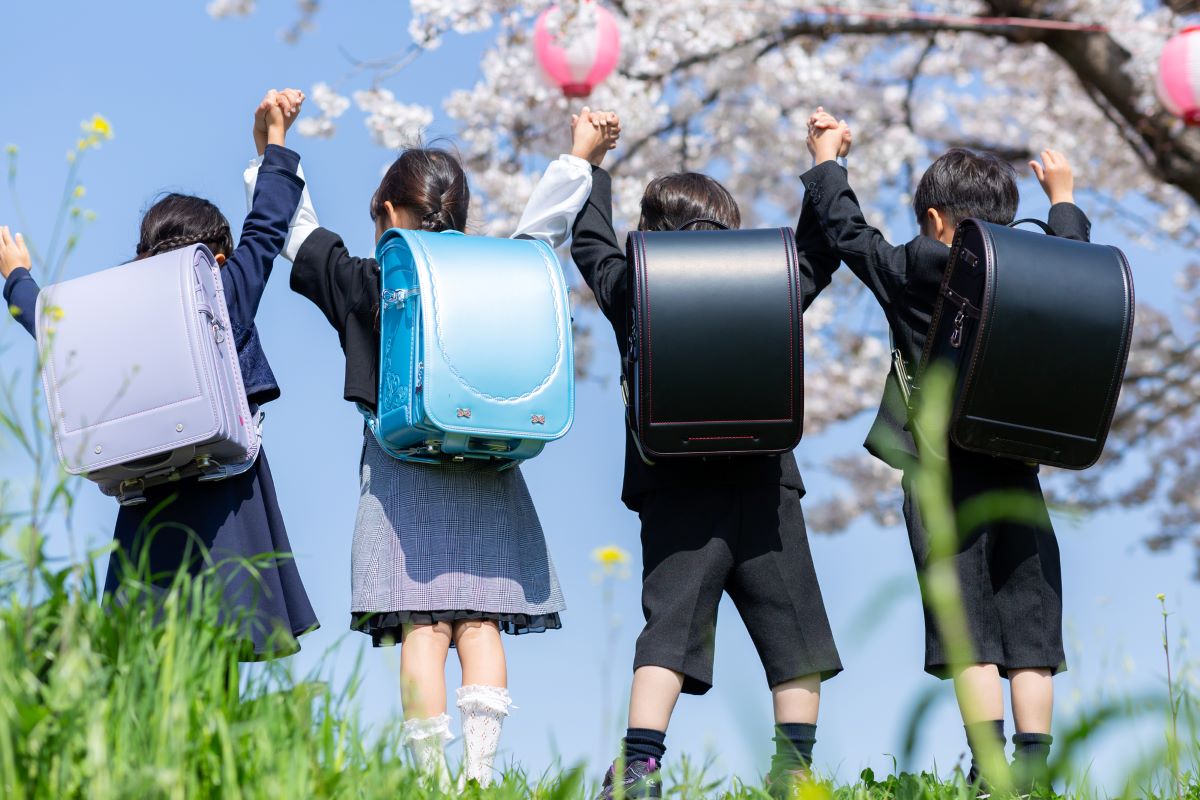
(20, 289)
(594, 249)
(556, 201)
(336, 282)
(818, 261)
(839, 217)
(303, 223)
(567, 182)
(1058, 182)
(276, 198)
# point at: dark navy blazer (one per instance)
(245, 274)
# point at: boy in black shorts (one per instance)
(713, 525)
(1008, 571)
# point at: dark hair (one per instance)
(177, 220)
(430, 184)
(963, 183)
(670, 201)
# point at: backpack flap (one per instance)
(497, 354)
(715, 360)
(1046, 366)
(121, 375)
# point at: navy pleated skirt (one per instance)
(231, 531)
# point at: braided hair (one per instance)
(430, 184)
(178, 220)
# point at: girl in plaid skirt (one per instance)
(444, 555)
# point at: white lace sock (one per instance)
(483, 709)
(426, 742)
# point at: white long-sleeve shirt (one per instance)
(548, 216)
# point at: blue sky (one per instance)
(180, 88)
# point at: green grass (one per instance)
(143, 701)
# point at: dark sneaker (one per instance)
(641, 779)
(975, 780)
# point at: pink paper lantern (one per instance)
(1179, 75)
(577, 54)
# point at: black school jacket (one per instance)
(346, 289)
(905, 280)
(601, 261)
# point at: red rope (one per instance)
(944, 19)
(952, 19)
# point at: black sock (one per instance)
(643, 744)
(1031, 752)
(978, 732)
(793, 746)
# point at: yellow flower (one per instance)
(55, 312)
(11, 149)
(1160, 597)
(89, 215)
(80, 191)
(14, 310)
(82, 144)
(97, 126)
(612, 559)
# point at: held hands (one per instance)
(1054, 174)
(274, 115)
(827, 137)
(593, 134)
(13, 252)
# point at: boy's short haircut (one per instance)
(964, 183)
(671, 201)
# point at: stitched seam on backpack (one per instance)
(1119, 371)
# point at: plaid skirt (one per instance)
(445, 542)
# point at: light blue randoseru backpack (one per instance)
(476, 356)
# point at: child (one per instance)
(713, 525)
(220, 525)
(1008, 571)
(446, 555)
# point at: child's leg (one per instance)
(979, 692)
(1032, 699)
(977, 686)
(797, 700)
(1033, 706)
(423, 686)
(686, 559)
(481, 653)
(423, 670)
(653, 696)
(483, 700)
(774, 586)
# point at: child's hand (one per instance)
(13, 252)
(827, 137)
(593, 134)
(1054, 174)
(274, 115)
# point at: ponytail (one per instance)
(430, 184)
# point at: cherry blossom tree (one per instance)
(725, 86)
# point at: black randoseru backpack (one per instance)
(1036, 329)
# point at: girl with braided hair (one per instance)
(231, 530)
(444, 555)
